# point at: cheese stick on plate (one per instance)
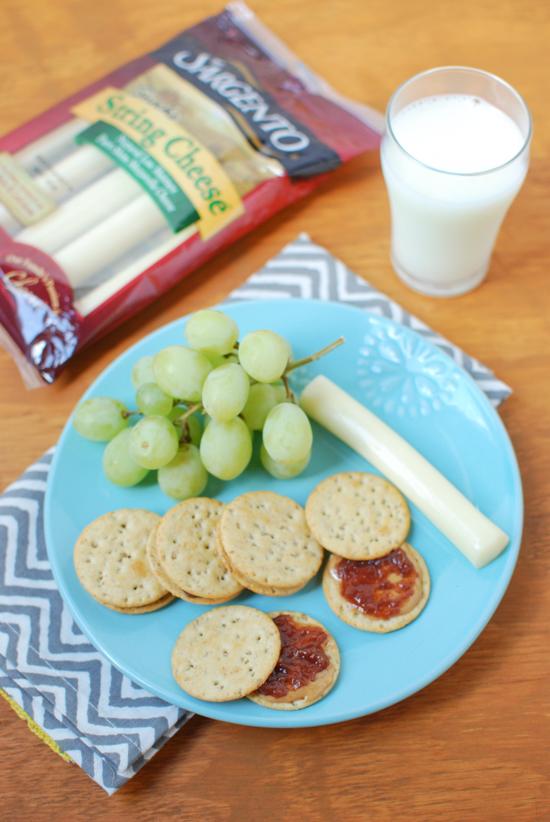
(479, 539)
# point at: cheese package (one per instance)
(114, 195)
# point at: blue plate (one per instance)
(417, 390)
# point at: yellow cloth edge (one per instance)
(35, 728)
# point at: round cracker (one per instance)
(145, 609)
(110, 559)
(186, 547)
(167, 583)
(356, 617)
(255, 587)
(226, 653)
(267, 542)
(313, 691)
(358, 515)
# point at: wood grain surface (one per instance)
(474, 745)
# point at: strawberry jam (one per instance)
(302, 657)
(379, 587)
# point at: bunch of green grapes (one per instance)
(197, 408)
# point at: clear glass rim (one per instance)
(471, 70)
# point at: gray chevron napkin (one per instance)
(83, 707)
(74, 699)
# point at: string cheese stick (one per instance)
(76, 170)
(102, 292)
(51, 146)
(69, 173)
(79, 214)
(465, 526)
(101, 246)
(109, 240)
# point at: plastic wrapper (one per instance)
(114, 195)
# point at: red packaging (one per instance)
(114, 195)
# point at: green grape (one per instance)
(225, 392)
(264, 355)
(118, 464)
(185, 476)
(215, 359)
(181, 372)
(283, 470)
(221, 359)
(154, 442)
(262, 397)
(100, 418)
(194, 423)
(211, 331)
(226, 448)
(142, 371)
(287, 434)
(151, 399)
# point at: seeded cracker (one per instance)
(186, 552)
(226, 653)
(313, 691)
(167, 583)
(265, 539)
(111, 561)
(357, 618)
(264, 590)
(358, 515)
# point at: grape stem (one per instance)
(288, 389)
(189, 411)
(317, 356)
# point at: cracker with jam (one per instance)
(379, 595)
(284, 660)
(308, 664)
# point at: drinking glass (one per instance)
(445, 223)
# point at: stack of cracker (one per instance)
(110, 559)
(362, 518)
(265, 542)
(185, 556)
(235, 651)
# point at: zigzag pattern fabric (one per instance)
(104, 722)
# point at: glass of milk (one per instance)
(454, 156)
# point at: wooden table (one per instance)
(476, 743)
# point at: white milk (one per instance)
(445, 213)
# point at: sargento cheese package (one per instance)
(115, 194)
